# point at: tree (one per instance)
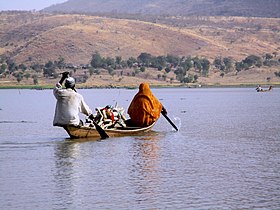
(145, 58)
(131, 61)
(167, 69)
(3, 68)
(228, 64)
(37, 67)
(197, 64)
(218, 63)
(60, 62)
(270, 63)
(123, 64)
(161, 60)
(118, 60)
(268, 56)
(164, 76)
(195, 77)
(111, 71)
(159, 76)
(27, 75)
(142, 69)
(180, 74)
(136, 71)
(239, 66)
(91, 71)
(22, 67)
(19, 78)
(35, 79)
(252, 60)
(49, 69)
(12, 66)
(277, 73)
(158, 62)
(205, 66)
(109, 62)
(96, 60)
(189, 78)
(3, 58)
(174, 60)
(187, 64)
(18, 75)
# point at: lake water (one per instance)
(226, 154)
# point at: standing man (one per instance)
(145, 108)
(69, 103)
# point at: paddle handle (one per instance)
(166, 117)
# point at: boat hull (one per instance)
(89, 132)
(267, 90)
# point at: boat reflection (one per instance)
(145, 167)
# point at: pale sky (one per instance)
(27, 4)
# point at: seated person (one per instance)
(145, 108)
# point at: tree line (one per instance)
(181, 66)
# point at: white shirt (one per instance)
(69, 105)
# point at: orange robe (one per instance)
(145, 108)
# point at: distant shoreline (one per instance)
(45, 87)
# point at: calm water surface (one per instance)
(225, 156)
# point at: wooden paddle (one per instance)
(166, 117)
(100, 130)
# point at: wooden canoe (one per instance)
(267, 90)
(88, 132)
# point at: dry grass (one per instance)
(76, 37)
(44, 37)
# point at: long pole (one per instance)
(166, 117)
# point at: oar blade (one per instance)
(100, 130)
(166, 117)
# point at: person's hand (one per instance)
(91, 117)
(164, 111)
(65, 74)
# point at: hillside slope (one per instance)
(29, 38)
(41, 37)
(246, 8)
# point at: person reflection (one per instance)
(64, 175)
